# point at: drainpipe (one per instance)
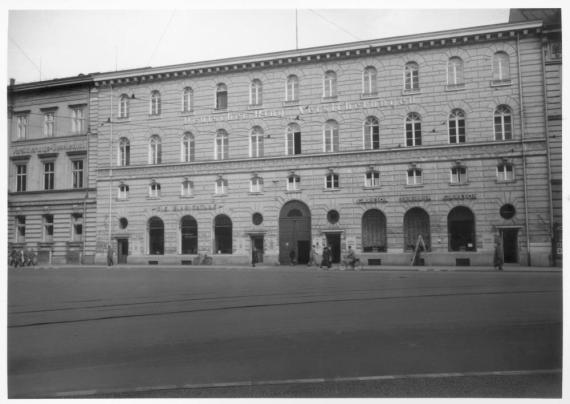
(549, 172)
(522, 118)
(110, 160)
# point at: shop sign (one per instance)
(375, 199)
(415, 198)
(181, 208)
(47, 148)
(459, 197)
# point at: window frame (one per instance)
(293, 140)
(123, 192)
(155, 150)
(417, 176)
(48, 228)
(292, 88)
(332, 181)
(187, 99)
(369, 81)
(155, 103)
(20, 228)
(370, 131)
(49, 124)
(455, 72)
(124, 157)
(22, 122)
(502, 172)
(293, 182)
(412, 120)
(186, 189)
(123, 106)
(221, 145)
(372, 179)
(330, 84)
(411, 77)
(49, 175)
(458, 175)
(221, 186)
(256, 185)
(77, 174)
(255, 93)
(501, 70)
(187, 148)
(21, 177)
(221, 97)
(77, 120)
(154, 190)
(331, 137)
(457, 117)
(256, 142)
(501, 112)
(77, 221)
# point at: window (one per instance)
(374, 231)
(329, 84)
(369, 81)
(222, 235)
(47, 228)
(458, 175)
(220, 186)
(461, 229)
(292, 88)
(371, 133)
(255, 92)
(331, 181)
(256, 184)
(123, 192)
(221, 147)
(330, 136)
(414, 176)
(456, 126)
(503, 123)
(49, 175)
(455, 71)
(155, 150)
(21, 177)
(372, 179)
(124, 106)
(77, 173)
(293, 139)
(49, 124)
(20, 229)
(76, 227)
(411, 77)
(155, 227)
(123, 223)
(413, 129)
(187, 149)
(77, 119)
(505, 172)
(188, 235)
(501, 67)
(416, 223)
(124, 152)
(154, 190)
(256, 142)
(293, 183)
(186, 188)
(333, 216)
(221, 96)
(187, 99)
(155, 103)
(22, 126)
(257, 218)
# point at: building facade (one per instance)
(370, 144)
(51, 186)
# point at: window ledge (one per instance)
(186, 196)
(152, 197)
(219, 110)
(220, 195)
(458, 184)
(290, 103)
(186, 113)
(154, 116)
(255, 193)
(367, 96)
(505, 181)
(123, 119)
(411, 91)
(501, 83)
(121, 199)
(331, 189)
(254, 106)
(372, 188)
(332, 98)
(455, 87)
(414, 186)
(293, 191)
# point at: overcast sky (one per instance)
(62, 43)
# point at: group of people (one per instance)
(326, 260)
(22, 257)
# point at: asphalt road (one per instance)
(83, 332)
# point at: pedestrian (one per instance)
(312, 257)
(350, 257)
(109, 255)
(498, 256)
(326, 257)
(14, 258)
(292, 256)
(254, 258)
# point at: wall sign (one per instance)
(415, 198)
(180, 208)
(459, 197)
(375, 199)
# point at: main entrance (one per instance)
(333, 241)
(122, 250)
(294, 232)
(257, 248)
(510, 245)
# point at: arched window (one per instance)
(155, 228)
(293, 139)
(369, 81)
(188, 235)
(155, 150)
(329, 84)
(416, 223)
(414, 176)
(292, 88)
(124, 106)
(154, 190)
(330, 136)
(458, 174)
(222, 145)
(411, 76)
(456, 126)
(155, 103)
(222, 235)
(371, 133)
(123, 191)
(187, 99)
(221, 96)
(373, 231)
(505, 172)
(124, 152)
(256, 142)
(293, 182)
(413, 129)
(187, 149)
(503, 123)
(501, 67)
(255, 92)
(455, 71)
(461, 229)
(331, 181)
(221, 186)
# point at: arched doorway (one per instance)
(461, 229)
(373, 231)
(294, 232)
(155, 236)
(416, 223)
(222, 235)
(188, 235)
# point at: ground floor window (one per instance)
(222, 235)
(416, 223)
(373, 231)
(188, 235)
(77, 227)
(20, 229)
(48, 228)
(461, 229)
(156, 236)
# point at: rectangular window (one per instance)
(222, 100)
(20, 229)
(123, 192)
(21, 177)
(77, 125)
(186, 189)
(414, 177)
(372, 179)
(48, 228)
(331, 181)
(255, 185)
(77, 227)
(49, 175)
(49, 124)
(77, 173)
(220, 187)
(505, 172)
(458, 175)
(154, 190)
(294, 143)
(293, 183)
(22, 127)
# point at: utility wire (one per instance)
(162, 36)
(26, 55)
(336, 25)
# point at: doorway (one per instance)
(122, 250)
(333, 240)
(294, 232)
(257, 246)
(510, 245)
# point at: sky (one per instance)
(55, 43)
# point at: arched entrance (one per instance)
(373, 231)
(188, 235)
(461, 229)
(295, 232)
(155, 236)
(223, 235)
(416, 223)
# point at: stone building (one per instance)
(370, 144)
(51, 184)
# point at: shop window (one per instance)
(155, 227)
(416, 223)
(188, 235)
(77, 227)
(461, 229)
(373, 231)
(222, 235)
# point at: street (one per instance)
(83, 331)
